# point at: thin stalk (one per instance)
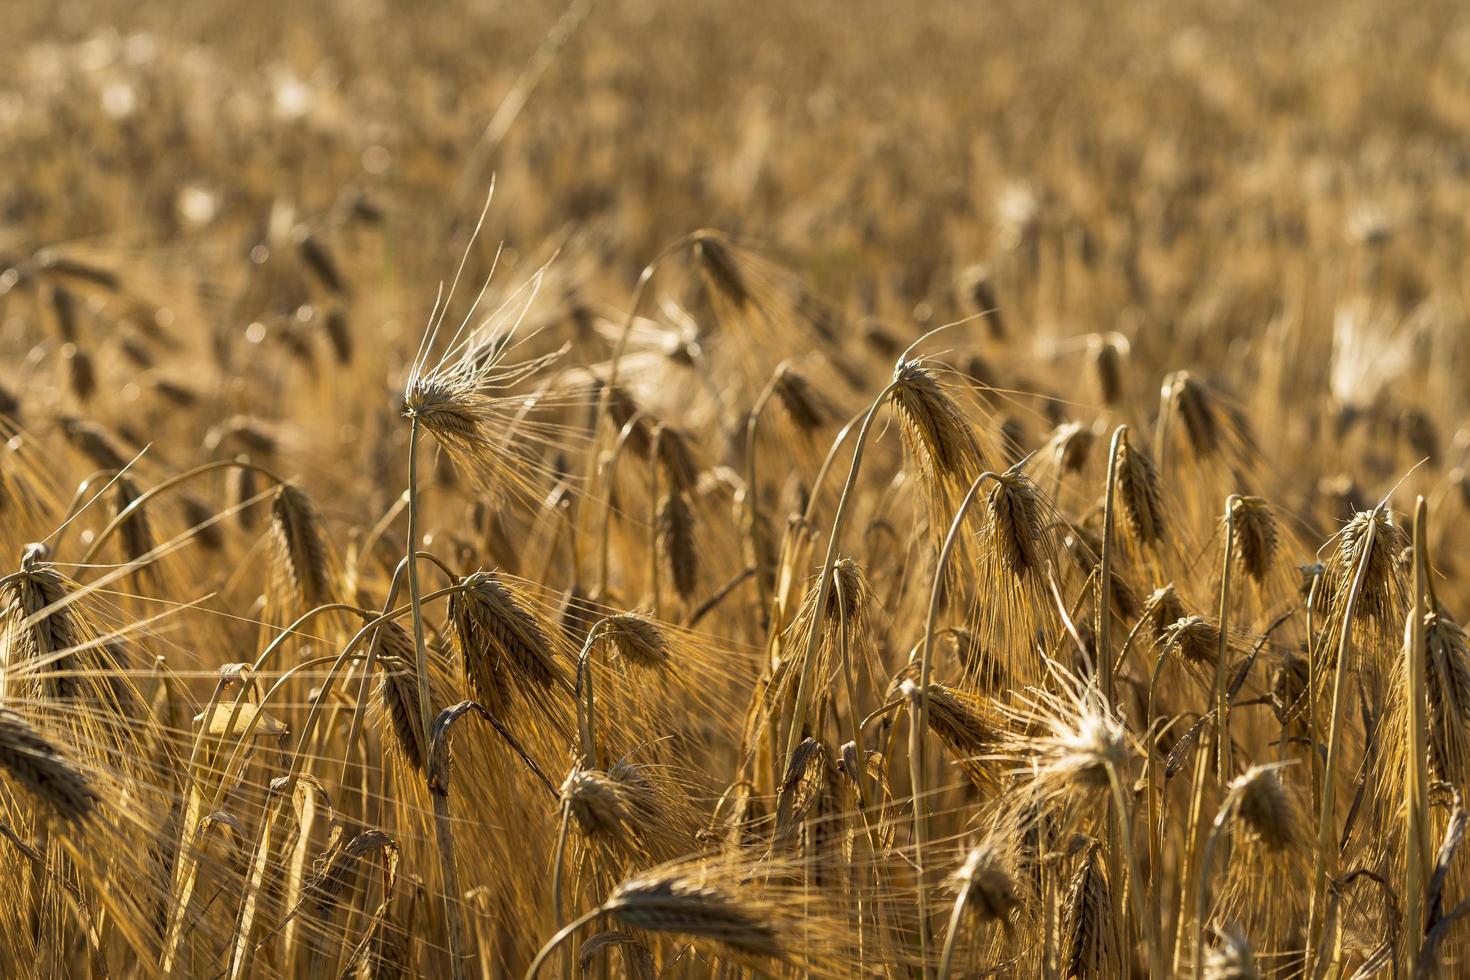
(860, 774)
(1326, 852)
(1105, 572)
(824, 580)
(1313, 760)
(751, 501)
(558, 859)
(1187, 878)
(653, 556)
(561, 936)
(586, 707)
(142, 499)
(604, 532)
(916, 756)
(955, 916)
(444, 834)
(1416, 784)
(1154, 827)
(1202, 890)
(1135, 880)
(1222, 707)
(615, 363)
(1161, 430)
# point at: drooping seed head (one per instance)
(675, 458)
(1289, 682)
(1165, 609)
(135, 532)
(597, 802)
(1070, 445)
(1194, 638)
(1107, 369)
(49, 644)
(1230, 959)
(337, 872)
(676, 548)
(933, 427)
(502, 643)
(301, 559)
(200, 519)
(1253, 528)
(1087, 932)
(802, 785)
(1015, 521)
(1143, 506)
(675, 902)
(37, 766)
(623, 409)
(1195, 406)
(244, 434)
(978, 290)
(317, 258)
(80, 375)
(986, 882)
(807, 409)
(1447, 690)
(958, 719)
(718, 265)
(339, 335)
(1382, 586)
(1263, 806)
(96, 443)
(637, 640)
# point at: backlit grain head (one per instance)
(985, 880)
(1194, 638)
(1253, 527)
(1087, 948)
(675, 902)
(503, 644)
(1014, 523)
(35, 765)
(301, 560)
(1264, 808)
(1138, 489)
(933, 427)
(677, 550)
(1195, 406)
(637, 640)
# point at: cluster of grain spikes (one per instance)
(619, 651)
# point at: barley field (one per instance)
(828, 489)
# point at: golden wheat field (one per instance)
(830, 489)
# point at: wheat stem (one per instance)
(1417, 854)
(1326, 856)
